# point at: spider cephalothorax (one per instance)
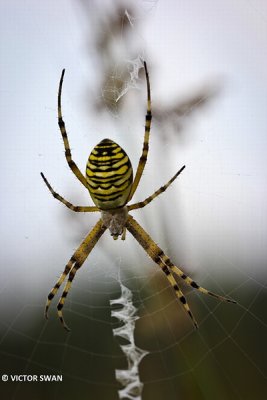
(115, 221)
(109, 179)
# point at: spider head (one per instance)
(115, 221)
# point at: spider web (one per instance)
(178, 356)
(211, 222)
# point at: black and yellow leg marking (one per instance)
(67, 203)
(62, 128)
(58, 284)
(154, 195)
(143, 158)
(175, 286)
(157, 254)
(73, 265)
(190, 282)
(64, 295)
(167, 266)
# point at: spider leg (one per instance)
(154, 195)
(190, 282)
(166, 265)
(157, 256)
(73, 265)
(67, 203)
(65, 293)
(143, 158)
(59, 282)
(62, 128)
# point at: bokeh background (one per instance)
(207, 62)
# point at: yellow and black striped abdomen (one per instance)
(109, 175)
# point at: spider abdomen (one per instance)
(109, 175)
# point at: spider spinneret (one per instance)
(109, 180)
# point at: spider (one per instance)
(111, 185)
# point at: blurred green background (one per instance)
(207, 63)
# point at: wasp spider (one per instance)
(110, 182)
